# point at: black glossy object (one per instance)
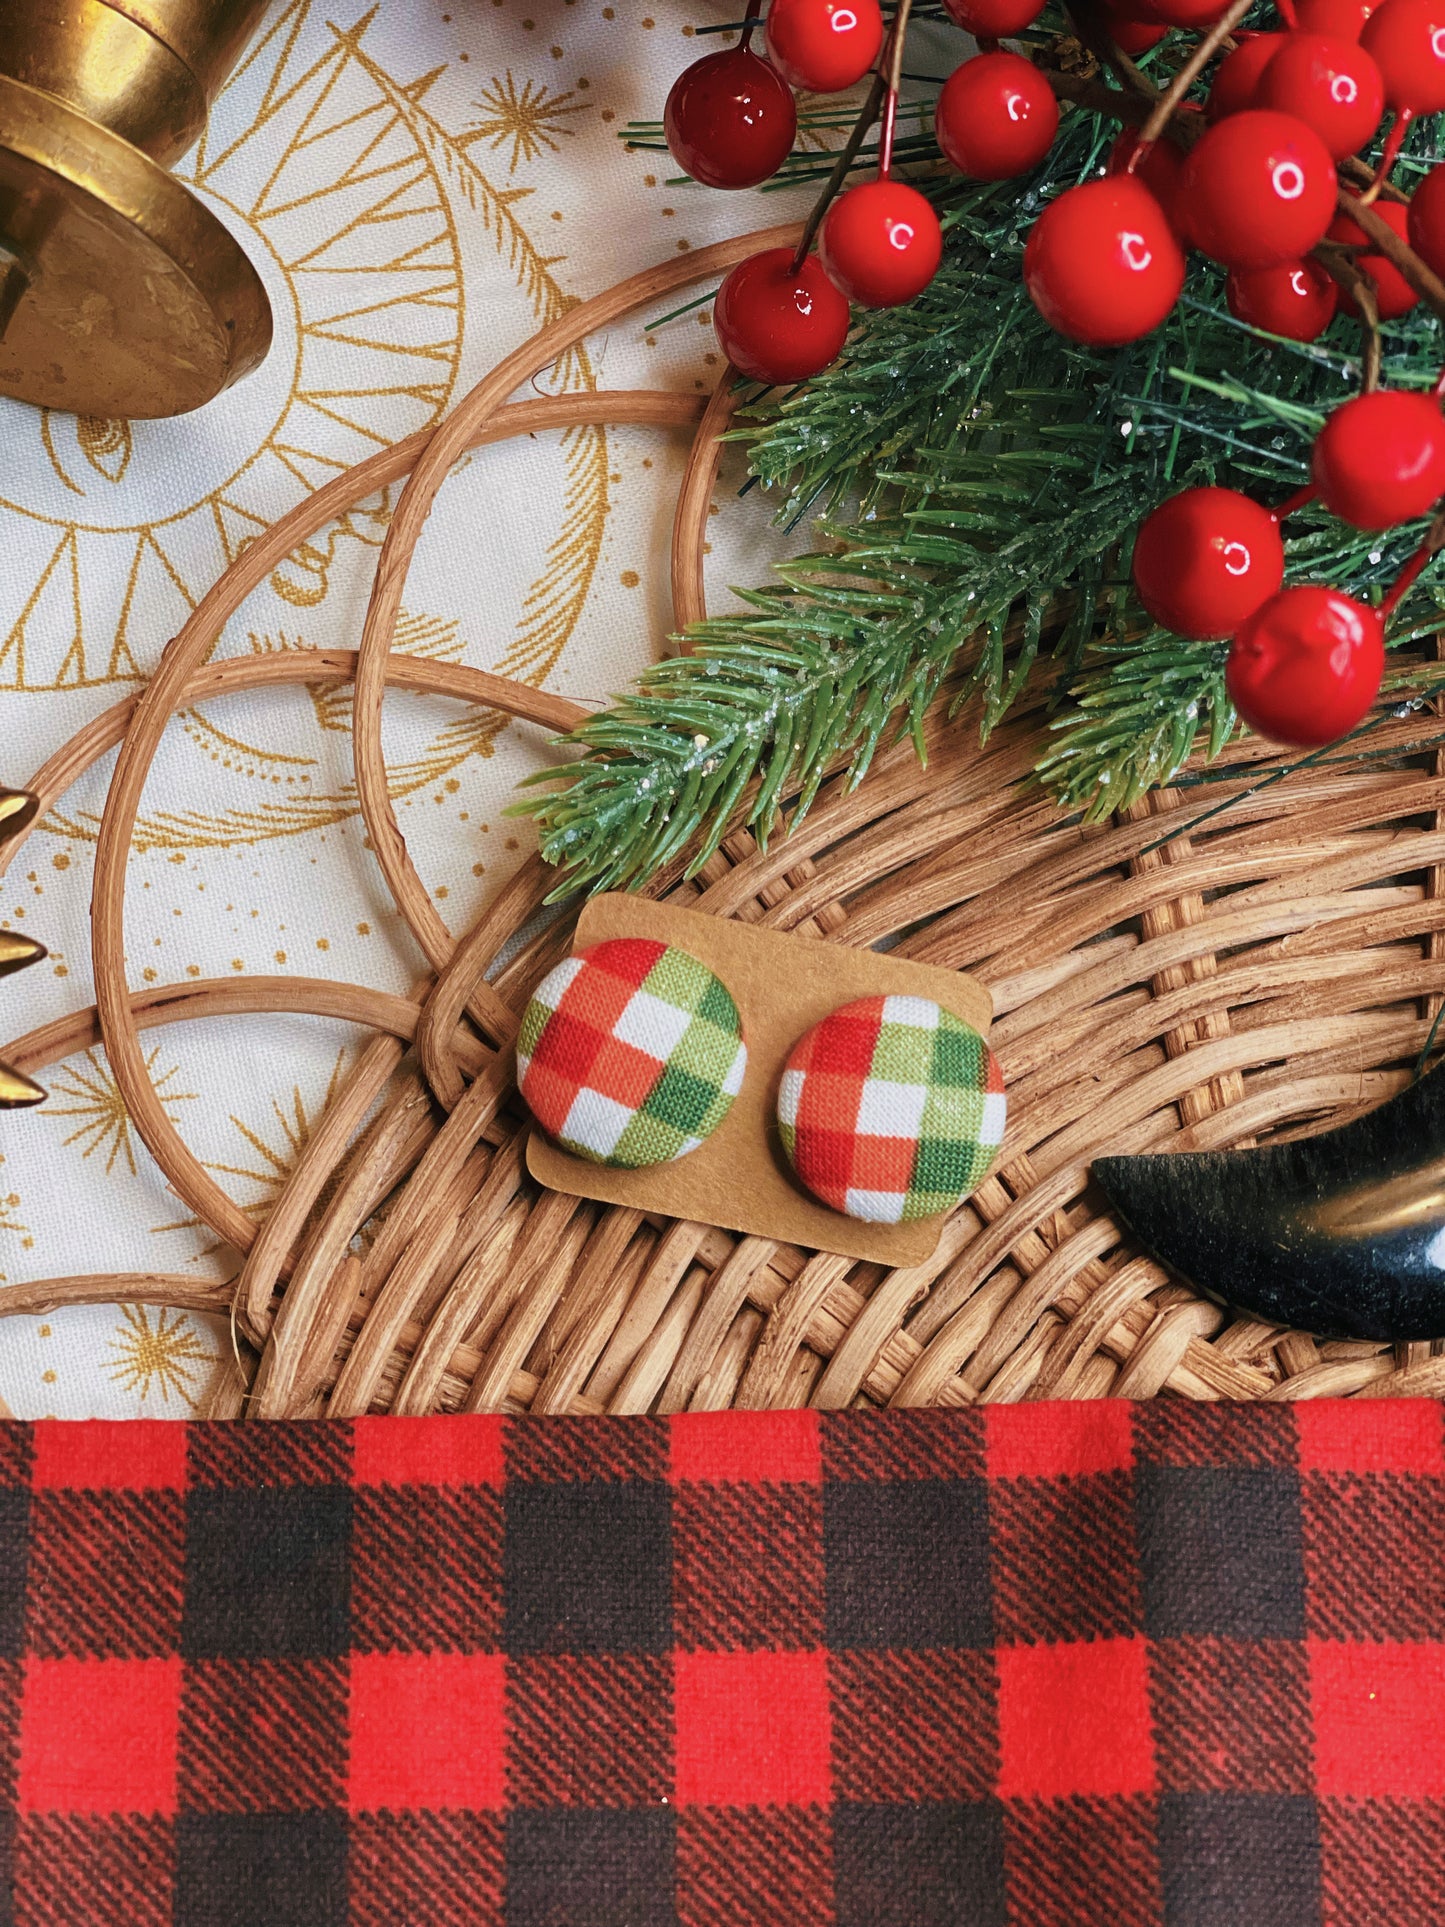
(1343, 1235)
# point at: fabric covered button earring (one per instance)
(630, 1053)
(891, 1108)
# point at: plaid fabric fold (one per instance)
(1036, 1666)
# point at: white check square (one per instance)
(891, 1110)
(790, 1090)
(596, 1122)
(561, 980)
(650, 1025)
(737, 1071)
(917, 1011)
(876, 1207)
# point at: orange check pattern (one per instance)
(630, 1053)
(891, 1108)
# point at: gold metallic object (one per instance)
(17, 809)
(121, 294)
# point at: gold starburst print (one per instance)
(271, 1151)
(277, 1147)
(530, 119)
(95, 1098)
(164, 1354)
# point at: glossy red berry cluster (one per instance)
(1305, 662)
(1254, 188)
(731, 120)
(1263, 177)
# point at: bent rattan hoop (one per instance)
(1172, 978)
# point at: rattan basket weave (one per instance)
(1179, 976)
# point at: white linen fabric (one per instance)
(420, 185)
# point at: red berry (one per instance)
(1134, 36)
(1101, 263)
(994, 19)
(1260, 189)
(1407, 40)
(1205, 560)
(1237, 79)
(779, 323)
(1331, 85)
(1306, 667)
(1393, 294)
(730, 119)
(824, 45)
(881, 243)
(1380, 459)
(1342, 17)
(1426, 219)
(1296, 300)
(1159, 170)
(1195, 16)
(996, 117)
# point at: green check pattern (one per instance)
(891, 1109)
(631, 1053)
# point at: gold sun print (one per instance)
(163, 1354)
(530, 118)
(277, 1147)
(96, 1098)
(346, 220)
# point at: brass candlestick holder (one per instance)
(120, 293)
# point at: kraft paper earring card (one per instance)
(737, 1173)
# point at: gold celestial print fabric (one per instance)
(420, 184)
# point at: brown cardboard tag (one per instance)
(782, 985)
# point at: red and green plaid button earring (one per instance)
(891, 1108)
(630, 1053)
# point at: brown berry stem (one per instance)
(1370, 353)
(884, 93)
(750, 20)
(890, 101)
(1357, 170)
(1339, 261)
(1384, 240)
(847, 154)
(1409, 575)
(1093, 30)
(1394, 141)
(1168, 102)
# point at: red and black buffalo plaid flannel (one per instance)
(1035, 1666)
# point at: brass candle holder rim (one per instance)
(180, 312)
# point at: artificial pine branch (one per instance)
(978, 480)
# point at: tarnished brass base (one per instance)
(120, 293)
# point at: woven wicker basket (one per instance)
(1180, 976)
